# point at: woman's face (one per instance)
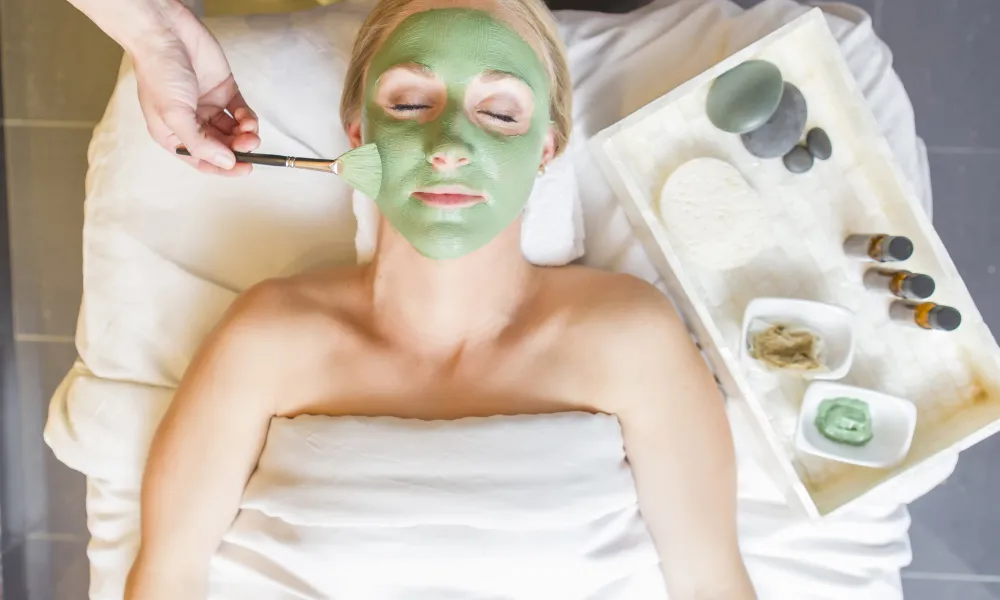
(458, 105)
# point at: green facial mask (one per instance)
(456, 45)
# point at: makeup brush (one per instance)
(360, 168)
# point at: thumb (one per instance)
(183, 122)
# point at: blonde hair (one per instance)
(530, 18)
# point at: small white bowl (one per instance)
(833, 323)
(893, 422)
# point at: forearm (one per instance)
(687, 495)
(203, 454)
(732, 582)
(145, 583)
(679, 445)
(695, 534)
(191, 493)
(199, 463)
(130, 22)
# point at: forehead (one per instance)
(459, 43)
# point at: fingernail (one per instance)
(225, 161)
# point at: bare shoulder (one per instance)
(631, 331)
(617, 307)
(277, 313)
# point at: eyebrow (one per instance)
(415, 68)
(493, 75)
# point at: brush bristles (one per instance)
(361, 168)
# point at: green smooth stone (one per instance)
(744, 97)
(845, 421)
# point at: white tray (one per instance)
(953, 378)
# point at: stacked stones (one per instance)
(768, 113)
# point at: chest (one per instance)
(528, 377)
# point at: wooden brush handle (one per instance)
(273, 160)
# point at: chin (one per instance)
(443, 246)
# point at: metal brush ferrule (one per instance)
(313, 164)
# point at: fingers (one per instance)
(160, 133)
(183, 123)
(238, 108)
(223, 123)
(245, 142)
(240, 170)
(246, 133)
(210, 139)
(245, 117)
(249, 125)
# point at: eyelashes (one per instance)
(409, 107)
(507, 119)
(415, 108)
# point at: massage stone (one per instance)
(783, 130)
(744, 97)
(819, 143)
(798, 160)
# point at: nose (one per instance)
(445, 160)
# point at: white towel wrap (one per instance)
(539, 506)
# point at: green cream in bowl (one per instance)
(855, 425)
(845, 421)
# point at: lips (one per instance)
(450, 196)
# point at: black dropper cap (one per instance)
(945, 318)
(918, 286)
(900, 248)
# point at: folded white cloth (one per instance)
(534, 506)
(387, 509)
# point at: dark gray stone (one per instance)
(798, 160)
(783, 130)
(819, 144)
(744, 97)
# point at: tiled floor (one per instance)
(945, 52)
(55, 91)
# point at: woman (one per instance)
(467, 100)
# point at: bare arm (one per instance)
(203, 454)
(128, 22)
(680, 447)
(186, 89)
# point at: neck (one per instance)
(439, 306)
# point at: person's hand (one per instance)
(189, 97)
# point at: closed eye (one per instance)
(498, 116)
(409, 107)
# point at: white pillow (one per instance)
(166, 248)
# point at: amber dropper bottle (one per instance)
(926, 315)
(880, 247)
(902, 284)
